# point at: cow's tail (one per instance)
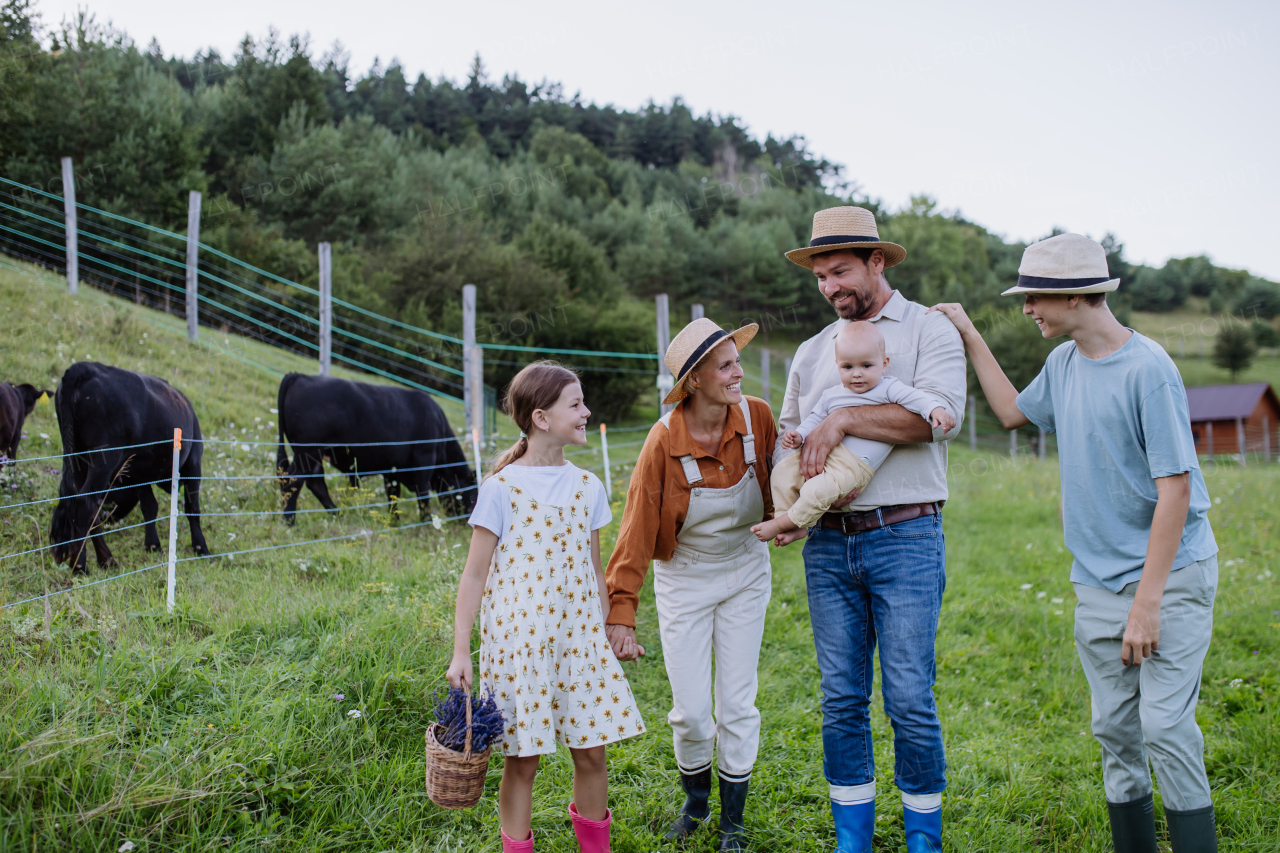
(72, 379)
(282, 455)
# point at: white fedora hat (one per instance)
(845, 228)
(1066, 264)
(693, 344)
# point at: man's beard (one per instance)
(857, 308)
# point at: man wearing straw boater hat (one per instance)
(700, 484)
(1135, 506)
(875, 567)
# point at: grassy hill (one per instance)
(283, 704)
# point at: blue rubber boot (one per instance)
(855, 824)
(922, 820)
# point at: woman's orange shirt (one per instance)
(658, 497)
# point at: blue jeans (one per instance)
(883, 585)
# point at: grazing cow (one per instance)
(16, 402)
(335, 420)
(102, 408)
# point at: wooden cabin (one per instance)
(1234, 419)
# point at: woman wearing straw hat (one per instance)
(701, 482)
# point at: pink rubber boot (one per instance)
(509, 846)
(593, 835)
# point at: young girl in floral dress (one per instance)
(535, 576)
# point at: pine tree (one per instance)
(1234, 349)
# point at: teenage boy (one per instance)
(1145, 568)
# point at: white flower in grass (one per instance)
(1236, 682)
(126, 847)
(437, 522)
(354, 714)
(1026, 586)
(1041, 594)
(1056, 600)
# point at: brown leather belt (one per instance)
(850, 523)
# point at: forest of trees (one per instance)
(546, 202)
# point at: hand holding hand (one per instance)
(1142, 634)
(791, 440)
(940, 418)
(623, 640)
(955, 313)
(459, 672)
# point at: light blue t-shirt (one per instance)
(1122, 421)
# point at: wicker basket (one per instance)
(455, 780)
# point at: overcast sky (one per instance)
(1154, 120)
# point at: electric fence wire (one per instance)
(369, 534)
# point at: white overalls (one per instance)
(712, 595)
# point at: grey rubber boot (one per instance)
(1192, 831)
(697, 790)
(1133, 825)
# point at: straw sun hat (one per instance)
(845, 228)
(1066, 264)
(692, 345)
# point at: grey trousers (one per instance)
(1150, 709)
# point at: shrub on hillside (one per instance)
(1260, 298)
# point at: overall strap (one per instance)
(688, 463)
(748, 440)
(691, 473)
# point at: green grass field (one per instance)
(220, 727)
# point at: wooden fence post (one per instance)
(1013, 445)
(69, 209)
(1208, 430)
(665, 380)
(766, 386)
(476, 383)
(608, 475)
(1240, 438)
(326, 308)
(468, 342)
(193, 269)
(173, 521)
(1040, 448)
(1266, 440)
(973, 422)
(696, 312)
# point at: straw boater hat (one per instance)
(845, 228)
(1066, 264)
(692, 345)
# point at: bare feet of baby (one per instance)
(773, 528)
(784, 539)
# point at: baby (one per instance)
(799, 503)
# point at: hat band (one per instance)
(842, 238)
(1056, 283)
(702, 349)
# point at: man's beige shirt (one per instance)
(925, 352)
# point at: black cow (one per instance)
(16, 402)
(334, 420)
(102, 407)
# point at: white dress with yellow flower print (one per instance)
(543, 649)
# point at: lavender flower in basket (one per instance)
(455, 776)
(451, 715)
